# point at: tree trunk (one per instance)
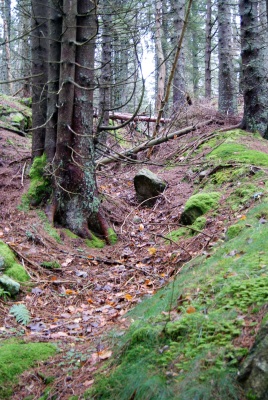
(76, 201)
(208, 50)
(55, 30)
(6, 15)
(39, 39)
(179, 90)
(161, 70)
(227, 95)
(105, 78)
(254, 69)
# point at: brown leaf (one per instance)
(105, 354)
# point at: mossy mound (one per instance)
(16, 357)
(238, 152)
(14, 114)
(10, 265)
(198, 205)
(181, 344)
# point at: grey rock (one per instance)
(253, 374)
(148, 185)
(9, 285)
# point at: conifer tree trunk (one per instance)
(208, 50)
(39, 46)
(161, 70)
(254, 70)
(179, 88)
(54, 53)
(227, 95)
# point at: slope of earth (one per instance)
(77, 294)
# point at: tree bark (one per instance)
(208, 50)
(179, 87)
(254, 70)
(54, 54)
(161, 70)
(39, 46)
(227, 95)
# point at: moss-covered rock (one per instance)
(198, 205)
(10, 265)
(16, 357)
(9, 285)
(14, 114)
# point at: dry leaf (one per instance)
(141, 227)
(67, 262)
(152, 251)
(88, 383)
(128, 297)
(70, 291)
(104, 354)
(1, 234)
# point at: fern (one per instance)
(21, 313)
(4, 293)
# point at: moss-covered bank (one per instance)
(16, 357)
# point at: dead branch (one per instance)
(150, 143)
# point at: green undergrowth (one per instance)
(16, 357)
(181, 342)
(10, 266)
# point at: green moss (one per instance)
(11, 267)
(199, 224)
(50, 264)
(70, 234)
(238, 152)
(233, 231)
(16, 357)
(198, 205)
(112, 236)
(40, 185)
(48, 228)
(95, 242)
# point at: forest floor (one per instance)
(77, 304)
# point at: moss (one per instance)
(16, 357)
(70, 234)
(198, 205)
(48, 228)
(95, 242)
(112, 236)
(199, 224)
(11, 267)
(238, 152)
(40, 185)
(233, 231)
(50, 264)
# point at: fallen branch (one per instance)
(150, 143)
(141, 118)
(18, 132)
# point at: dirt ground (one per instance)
(90, 294)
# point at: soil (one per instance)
(77, 304)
